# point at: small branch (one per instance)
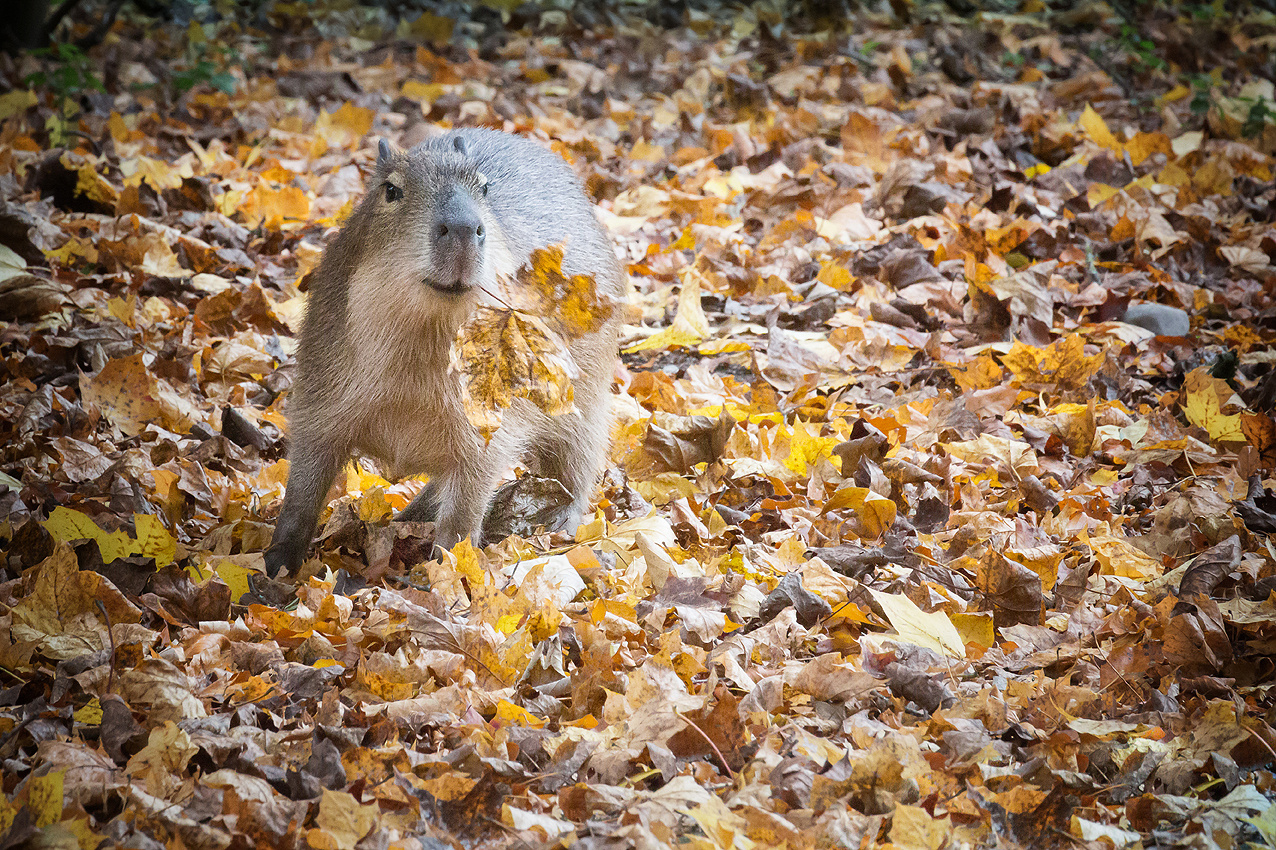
(110, 679)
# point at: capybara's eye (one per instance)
(392, 192)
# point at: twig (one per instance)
(1120, 676)
(110, 678)
(1262, 741)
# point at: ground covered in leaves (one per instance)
(907, 537)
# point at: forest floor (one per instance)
(907, 539)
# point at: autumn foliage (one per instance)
(908, 539)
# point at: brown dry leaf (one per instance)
(342, 821)
(61, 612)
(161, 764)
(161, 690)
(24, 295)
(689, 325)
(127, 394)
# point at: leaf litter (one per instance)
(908, 540)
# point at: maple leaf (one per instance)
(504, 355)
(570, 304)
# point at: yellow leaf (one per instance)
(806, 446)
(570, 305)
(723, 346)
(44, 798)
(1144, 145)
(90, 184)
(976, 628)
(123, 310)
(252, 689)
(157, 172)
(84, 835)
(120, 128)
(199, 573)
(1075, 423)
(422, 92)
(90, 714)
(1063, 363)
(686, 241)
(236, 578)
(513, 715)
(647, 152)
(384, 686)
(1205, 398)
(689, 324)
(1177, 93)
(153, 540)
(914, 828)
(359, 481)
(1098, 194)
(981, 373)
(1098, 131)
(372, 506)
(468, 566)
(15, 102)
(66, 525)
(227, 203)
(835, 276)
(451, 786)
(933, 631)
(344, 128)
(1119, 558)
(275, 209)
